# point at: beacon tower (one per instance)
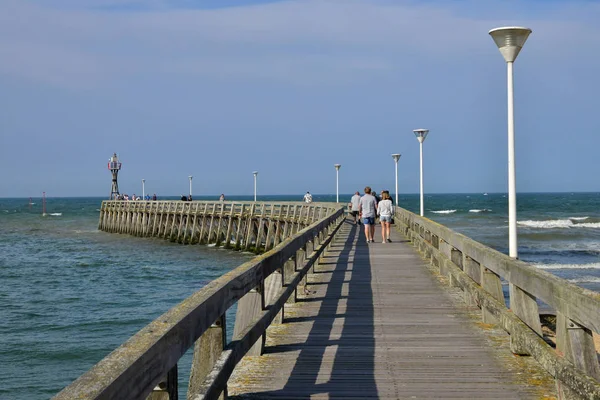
(114, 166)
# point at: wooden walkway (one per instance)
(377, 326)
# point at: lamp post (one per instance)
(396, 157)
(337, 182)
(421, 134)
(510, 40)
(255, 174)
(190, 178)
(143, 189)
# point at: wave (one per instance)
(586, 279)
(578, 218)
(558, 223)
(55, 214)
(568, 266)
(479, 211)
(444, 212)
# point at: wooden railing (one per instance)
(255, 226)
(146, 365)
(478, 270)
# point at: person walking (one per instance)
(355, 201)
(308, 197)
(368, 210)
(385, 210)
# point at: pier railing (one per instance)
(256, 226)
(146, 365)
(479, 271)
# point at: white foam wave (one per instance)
(56, 214)
(586, 279)
(578, 218)
(558, 223)
(444, 212)
(568, 266)
(588, 225)
(479, 211)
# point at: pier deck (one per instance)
(377, 326)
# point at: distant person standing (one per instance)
(385, 210)
(189, 197)
(308, 197)
(154, 197)
(222, 198)
(368, 210)
(355, 201)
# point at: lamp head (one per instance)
(113, 163)
(396, 157)
(190, 177)
(255, 173)
(337, 166)
(421, 134)
(510, 40)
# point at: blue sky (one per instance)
(218, 89)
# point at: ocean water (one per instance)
(71, 294)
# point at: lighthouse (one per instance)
(114, 166)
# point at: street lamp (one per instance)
(190, 178)
(337, 182)
(396, 157)
(255, 174)
(510, 41)
(143, 189)
(421, 134)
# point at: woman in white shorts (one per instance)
(385, 210)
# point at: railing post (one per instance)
(249, 308)
(492, 284)
(524, 306)
(456, 256)
(166, 388)
(207, 350)
(473, 270)
(576, 343)
(299, 264)
(273, 283)
(288, 270)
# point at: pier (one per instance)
(422, 317)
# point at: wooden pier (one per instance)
(375, 323)
(239, 225)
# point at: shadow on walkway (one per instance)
(337, 358)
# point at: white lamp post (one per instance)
(396, 157)
(255, 174)
(510, 40)
(421, 134)
(143, 189)
(190, 178)
(337, 182)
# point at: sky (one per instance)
(220, 88)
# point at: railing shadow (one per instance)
(337, 358)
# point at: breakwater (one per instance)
(251, 226)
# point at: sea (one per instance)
(70, 294)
